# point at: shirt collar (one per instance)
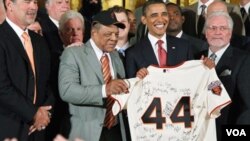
(97, 50)
(246, 7)
(124, 47)
(179, 34)
(153, 40)
(16, 28)
(54, 21)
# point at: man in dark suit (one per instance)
(25, 98)
(232, 67)
(175, 28)
(245, 13)
(50, 23)
(145, 53)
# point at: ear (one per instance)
(183, 19)
(9, 4)
(143, 19)
(47, 5)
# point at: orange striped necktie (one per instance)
(109, 120)
(105, 68)
(29, 51)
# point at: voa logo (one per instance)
(236, 132)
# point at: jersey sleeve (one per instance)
(121, 99)
(217, 97)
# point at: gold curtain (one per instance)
(75, 4)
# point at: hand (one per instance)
(41, 118)
(142, 73)
(116, 86)
(208, 62)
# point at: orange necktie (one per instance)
(109, 120)
(162, 54)
(29, 51)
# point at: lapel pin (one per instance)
(173, 47)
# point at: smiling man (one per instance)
(88, 75)
(149, 50)
(25, 96)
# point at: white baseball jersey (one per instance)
(176, 104)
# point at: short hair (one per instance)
(96, 26)
(220, 13)
(176, 5)
(118, 9)
(148, 3)
(68, 16)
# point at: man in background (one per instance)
(50, 23)
(175, 28)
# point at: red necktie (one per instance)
(29, 51)
(162, 54)
(109, 120)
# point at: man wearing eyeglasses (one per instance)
(232, 66)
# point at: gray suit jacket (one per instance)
(80, 84)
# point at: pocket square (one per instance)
(226, 72)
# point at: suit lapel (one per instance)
(93, 61)
(113, 60)
(148, 52)
(13, 37)
(171, 51)
(225, 61)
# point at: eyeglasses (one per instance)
(215, 28)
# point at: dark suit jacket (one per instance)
(237, 85)
(247, 23)
(17, 83)
(51, 35)
(197, 44)
(142, 54)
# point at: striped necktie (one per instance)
(213, 56)
(109, 120)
